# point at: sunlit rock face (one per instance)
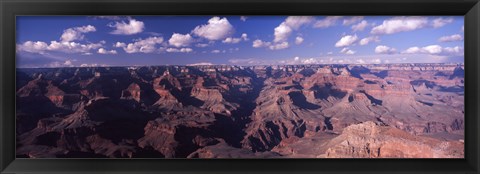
(221, 111)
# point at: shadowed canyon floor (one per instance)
(220, 111)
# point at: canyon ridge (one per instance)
(225, 111)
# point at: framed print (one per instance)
(205, 87)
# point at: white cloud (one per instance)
(259, 43)
(360, 26)
(352, 20)
(68, 63)
(104, 51)
(295, 22)
(177, 50)
(310, 61)
(463, 28)
(119, 45)
(435, 50)
(66, 47)
(200, 64)
(93, 65)
(432, 49)
(215, 51)
(327, 22)
(367, 40)
(243, 18)
(216, 29)
(279, 46)
(453, 50)
(147, 45)
(285, 29)
(346, 41)
(452, 38)
(440, 22)
(400, 24)
(76, 33)
(33, 47)
(180, 40)
(282, 32)
(244, 37)
(347, 51)
(132, 27)
(275, 46)
(298, 40)
(382, 49)
(233, 40)
(56, 64)
(202, 45)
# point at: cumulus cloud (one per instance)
(451, 38)
(346, 41)
(279, 46)
(180, 40)
(298, 40)
(65, 47)
(215, 51)
(132, 27)
(233, 40)
(76, 33)
(360, 26)
(382, 49)
(440, 22)
(400, 24)
(367, 40)
(282, 32)
(147, 45)
(327, 22)
(119, 45)
(352, 20)
(104, 51)
(347, 51)
(179, 50)
(275, 46)
(285, 29)
(216, 29)
(435, 50)
(259, 43)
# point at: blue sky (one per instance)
(74, 41)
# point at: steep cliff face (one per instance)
(222, 111)
(368, 140)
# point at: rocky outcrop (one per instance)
(369, 140)
(223, 111)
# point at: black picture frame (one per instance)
(11, 8)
